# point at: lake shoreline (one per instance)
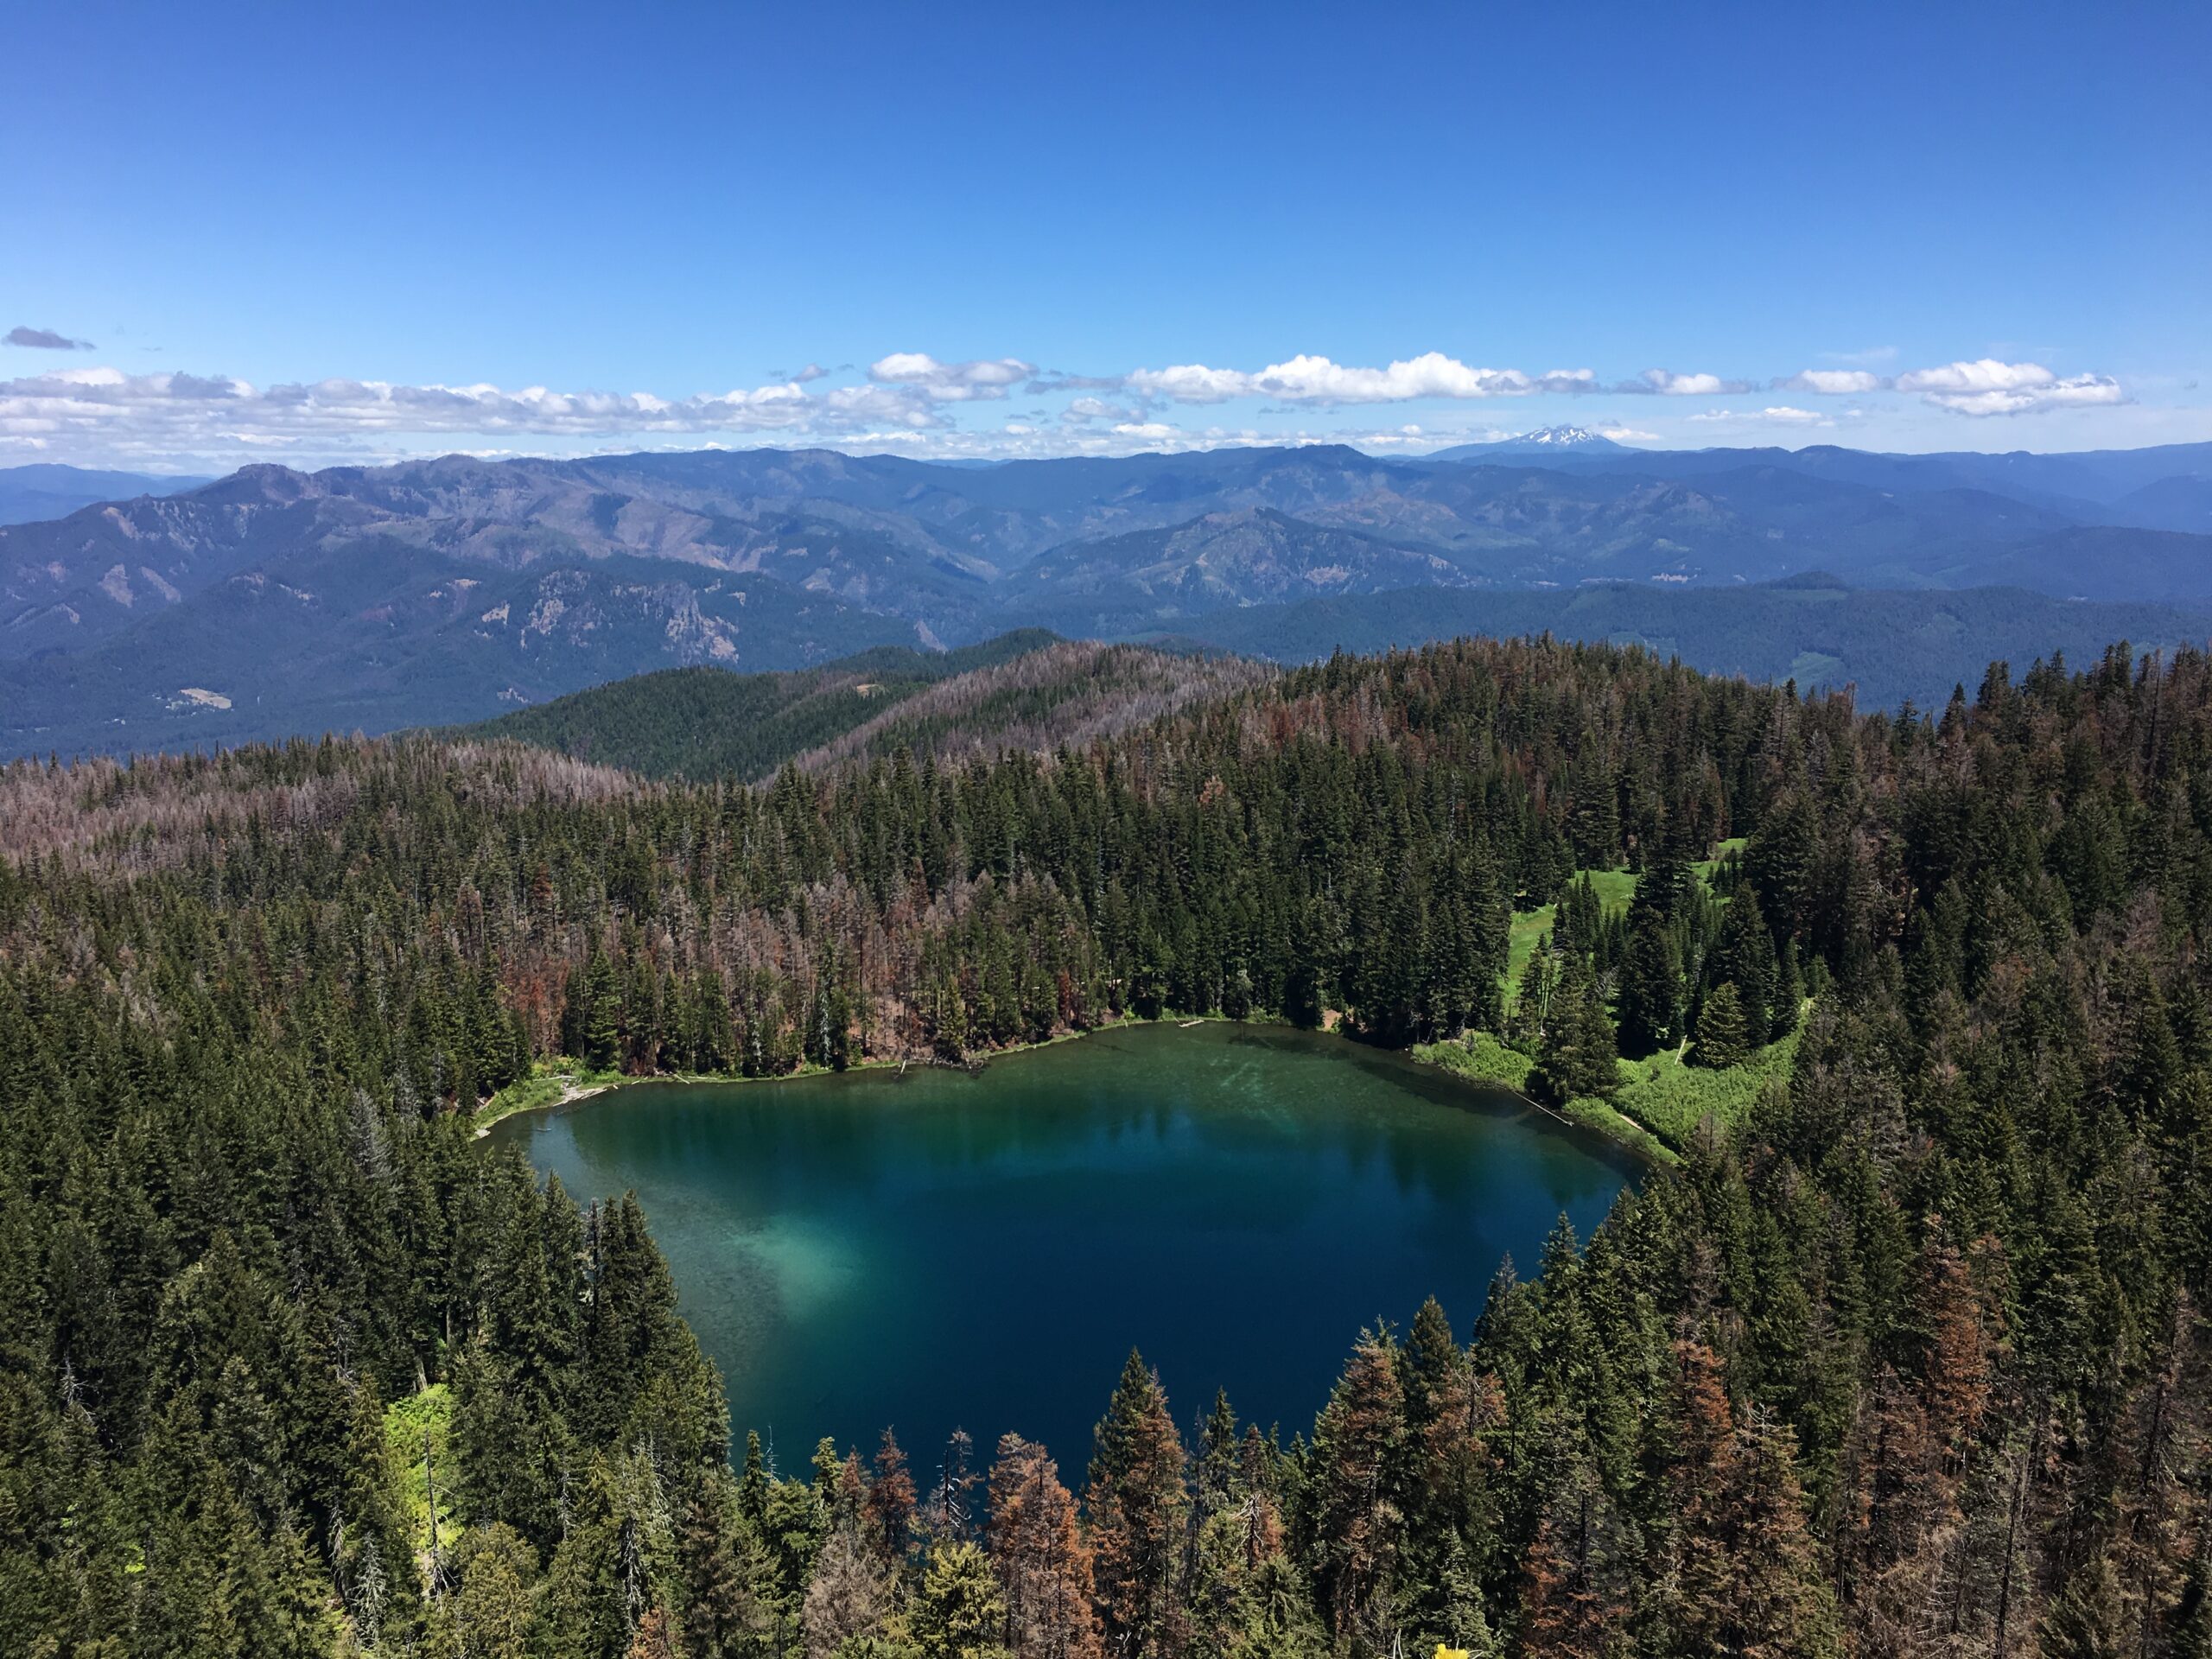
(1629, 1136)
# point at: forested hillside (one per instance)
(1074, 693)
(708, 723)
(1906, 1356)
(1025, 690)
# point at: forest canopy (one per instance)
(1908, 1356)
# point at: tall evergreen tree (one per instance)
(1577, 1053)
(1042, 1558)
(1138, 1500)
(1359, 1473)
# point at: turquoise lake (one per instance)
(944, 1249)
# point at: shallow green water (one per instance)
(942, 1250)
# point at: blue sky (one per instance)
(305, 234)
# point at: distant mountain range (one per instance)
(273, 600)
(45, 489)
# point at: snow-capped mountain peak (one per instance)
(1563, 437)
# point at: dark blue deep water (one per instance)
(942, 1250)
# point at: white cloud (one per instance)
(908, 401)
(1774, 414)
(845, 404)
(1669, 384)
(1083, 411)
(1192, 383)
(1833, 383)
(1319, 380)
(1985, 375)
(1988, 386)
(2081, 391)
(183, 413)
(952, 382)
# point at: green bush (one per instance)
(1481, 1057)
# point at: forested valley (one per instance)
(1906, 1356)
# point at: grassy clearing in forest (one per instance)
(1705, 866)
(1615, 889)
(1662, 1099)
(549, 1083)
(1671, 1097)
(1600, 1115)
(1480, 1057)
(406, 1424)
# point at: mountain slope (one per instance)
(2178, 503)
(360, 637)
(1024, 690)
(68, 583)
(1255, 556)
(708, 722)
(1526, 524)
(1071, 693)
(431, 591)
(936, 545)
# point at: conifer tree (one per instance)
(721, 1614)
(850, 1594)
(1749, 1578)
(1359, 1469)
(1743, 956)
(1721, 1037)
(1137, 1501)
(1595, 825)
(959, 1612)
(373, 1556)
(490, 1613)
(1463, 1622)
(1577, 1053)
(1216, 1471)
(1533, 997)
(600, 1019)
(1650, 983)
(889, 1509)
(1574, 1599)
(1042, 1559)
(753, 1481)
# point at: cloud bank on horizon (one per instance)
(912, 402)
